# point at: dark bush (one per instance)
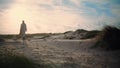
(109, 38)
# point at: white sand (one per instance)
(66, 53)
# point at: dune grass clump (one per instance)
(13, 60)
(109, 38)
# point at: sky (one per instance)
(50, 16)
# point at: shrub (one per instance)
(109, 38)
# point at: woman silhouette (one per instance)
(23, 30)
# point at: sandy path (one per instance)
(67, 54)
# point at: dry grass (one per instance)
(10, 59)
(109, 38)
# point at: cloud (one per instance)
(37, 18)
(46, 6)
(5, 4)
(59, 15)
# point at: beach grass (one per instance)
(109, 38)
(9, 59)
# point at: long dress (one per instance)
(23, 29)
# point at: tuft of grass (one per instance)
(109, 38)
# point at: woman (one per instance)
(23, 30)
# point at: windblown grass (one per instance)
(109, 38)
(10, 59)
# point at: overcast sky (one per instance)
(58, 15)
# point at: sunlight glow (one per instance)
(46, 16)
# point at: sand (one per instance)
(65, 53)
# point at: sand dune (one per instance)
(65, 53)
